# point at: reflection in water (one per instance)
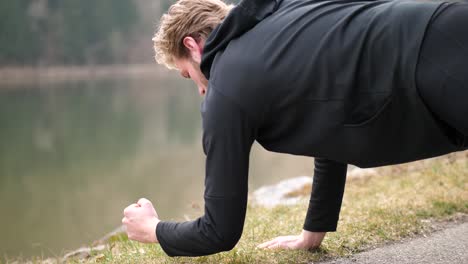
(73, 155)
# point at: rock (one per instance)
(98, 245)
(50, 261)
(110, 236)
(359, 173)
(273, 195)
(84, 252)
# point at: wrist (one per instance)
(154, 226)
(312, 239)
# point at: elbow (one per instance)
(223, 227)
(226, 236)
(229, 241)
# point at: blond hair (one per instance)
(195, 18)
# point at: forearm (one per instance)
(228, 135)
(218, 230)
(327, 194)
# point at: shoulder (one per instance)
(225, 122)
(220, 111)
(240, 82)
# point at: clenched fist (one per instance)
(140, 220)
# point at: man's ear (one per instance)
(194, 48)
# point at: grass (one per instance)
(388, 207)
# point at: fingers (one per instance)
(268, 243)
(129, 208)
(141, 203)
(286, 242)
(144, 202)
(273, 244)
(279, 244)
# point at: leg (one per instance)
(442, 74)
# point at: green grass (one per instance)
(376, 210)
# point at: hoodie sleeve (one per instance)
(227, 140)
(327, 195)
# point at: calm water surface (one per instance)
(73, 155)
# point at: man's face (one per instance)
(190, 69)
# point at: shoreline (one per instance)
(398, 214)
(27, 74)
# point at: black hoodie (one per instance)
(334, 80)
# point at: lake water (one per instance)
(74, 154)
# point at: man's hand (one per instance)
(140, 220)
(306, 240)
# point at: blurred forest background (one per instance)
(78, 32)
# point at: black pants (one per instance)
(442, 73)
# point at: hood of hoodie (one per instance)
(240, 19)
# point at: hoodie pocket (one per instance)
(366, 107)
